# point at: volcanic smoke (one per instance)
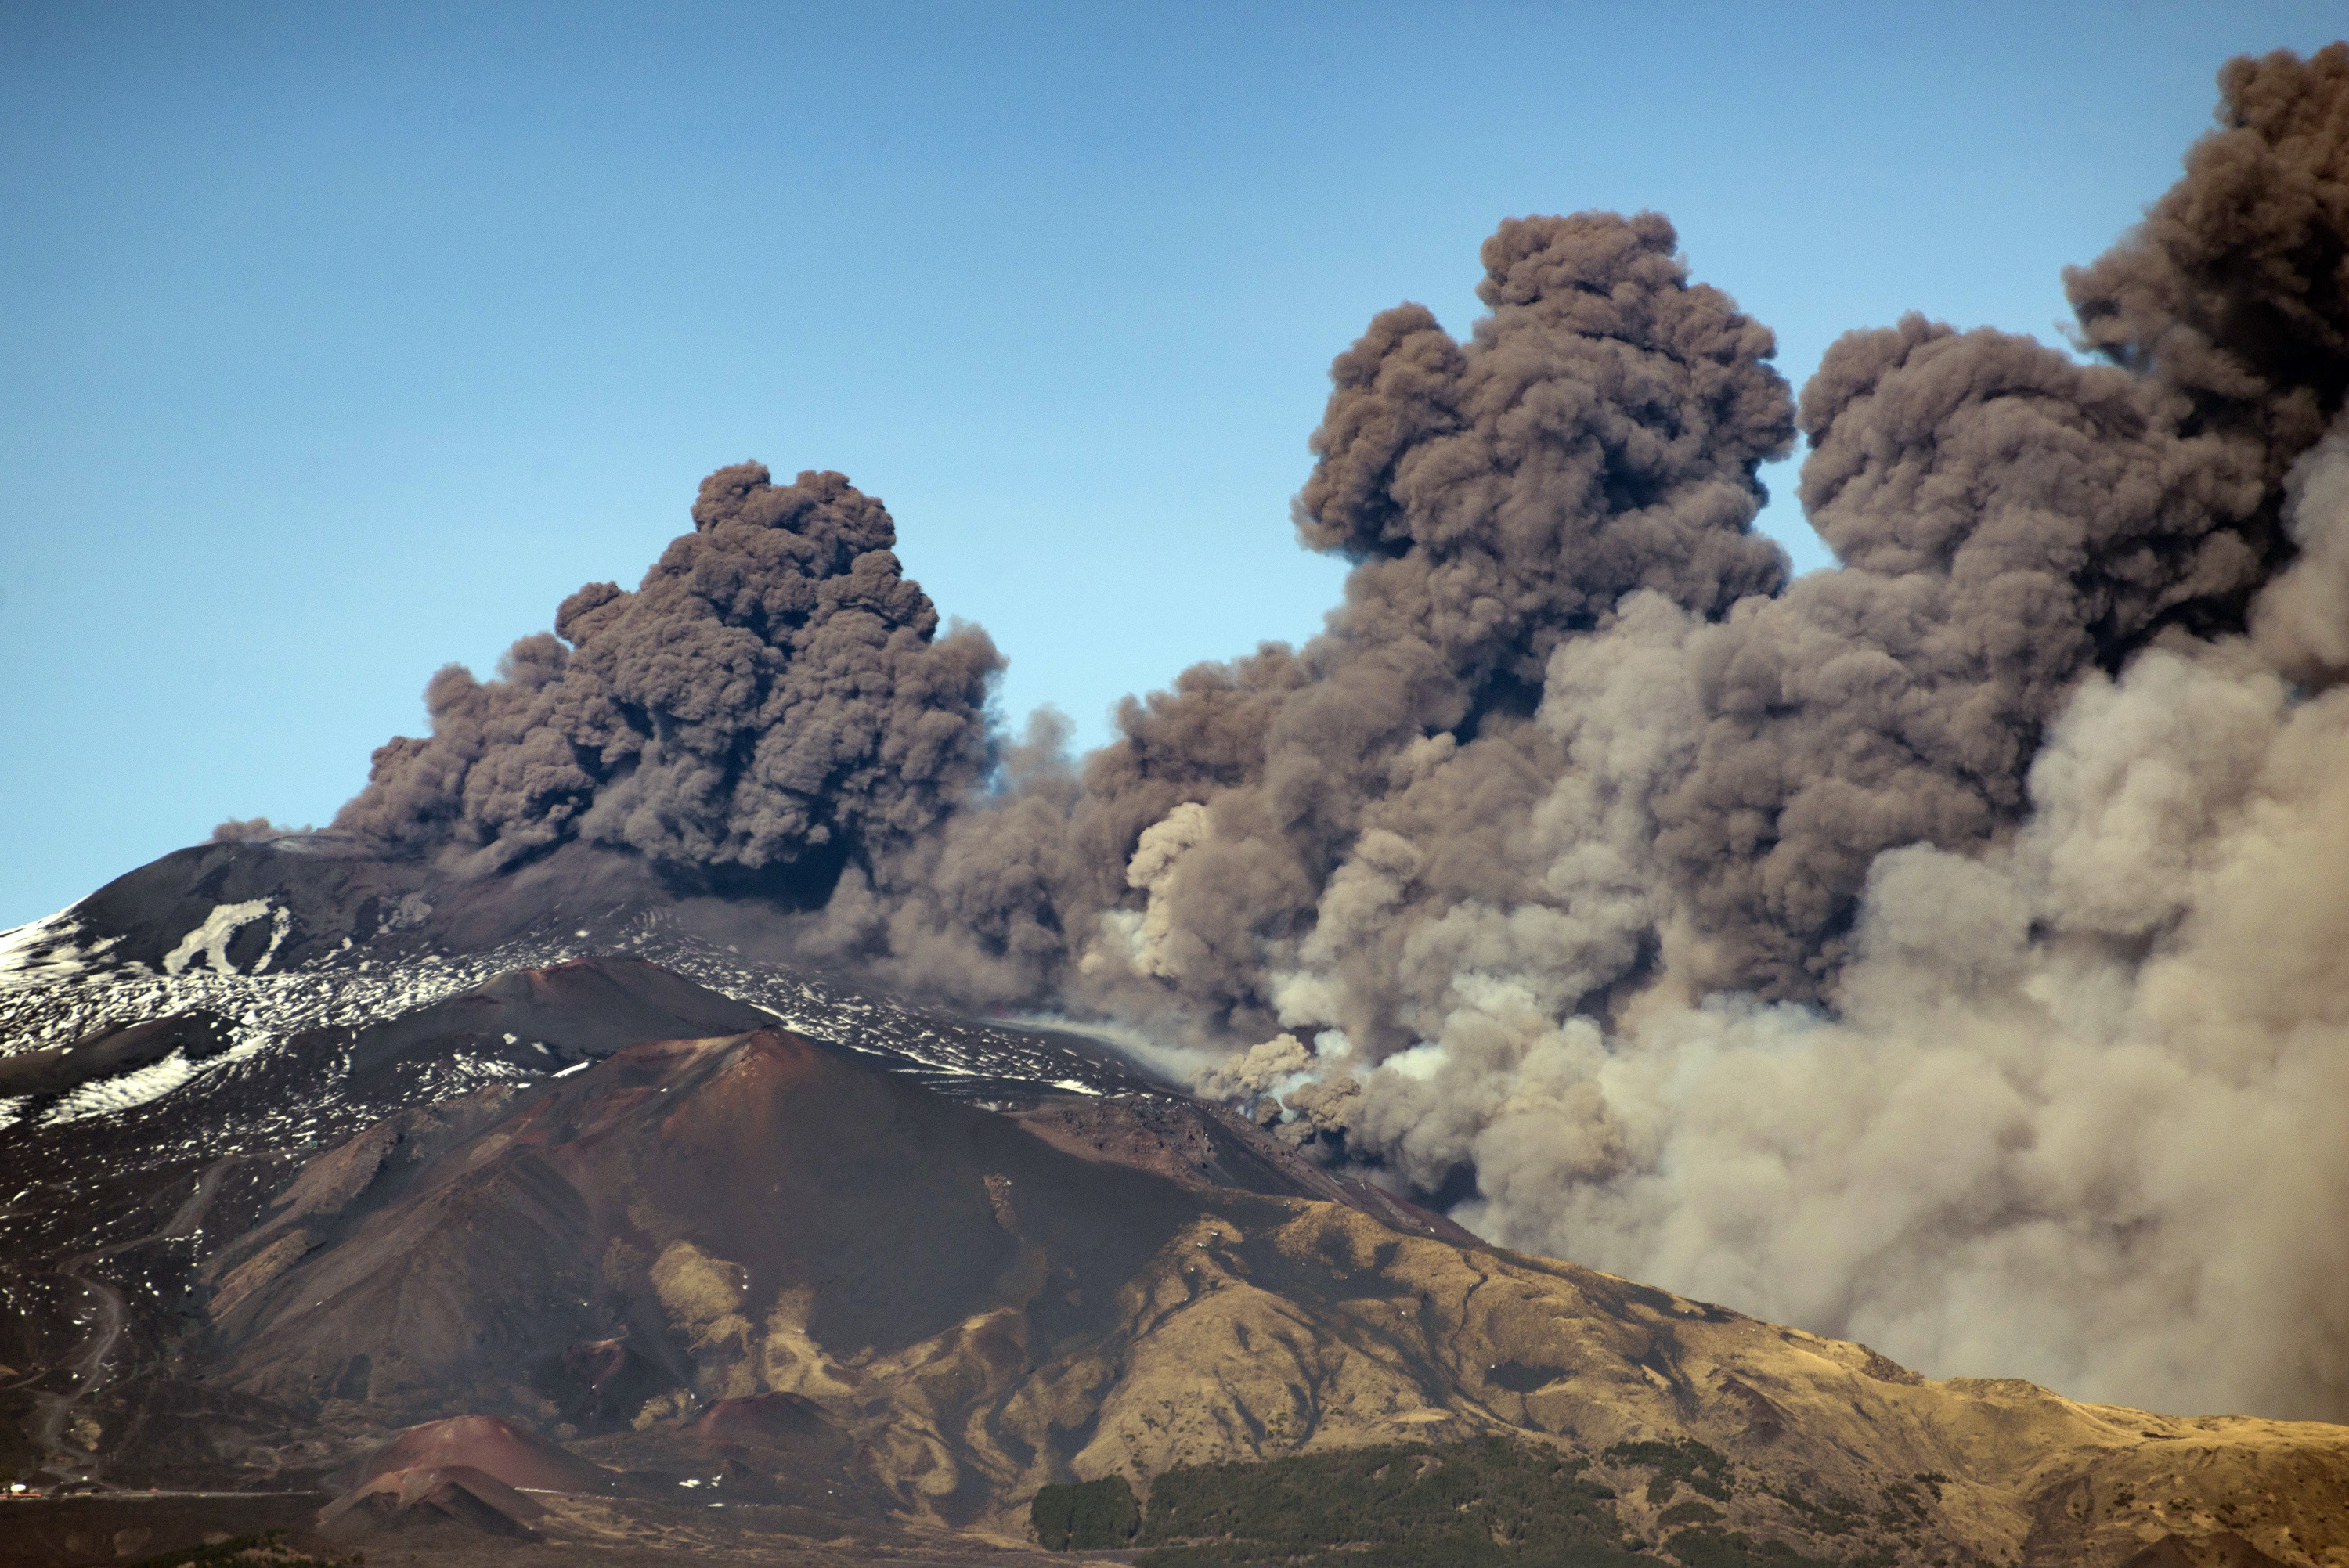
(1941, 951)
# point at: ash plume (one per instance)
(2006, 519)
(1970, 909)
(773, 700)
(1597, 436)
(1939, 950)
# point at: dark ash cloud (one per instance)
(773, 701)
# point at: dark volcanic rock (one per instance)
(334, 891)
(436, 1498)
(533, 1020)
(633, 1200)
(587, 1007)
(484, 1444)
(600, 1383)
(1205, 1145)
(329, 890)
(764, 1419)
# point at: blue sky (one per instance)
(342, 341)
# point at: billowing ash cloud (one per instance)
(2012, 793)
(1597, 438)
(2005, 519)
(2069, 1117)
(1941, 949)
(773, 699)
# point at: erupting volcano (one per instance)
(718, 1090)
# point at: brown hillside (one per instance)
(754, 1252)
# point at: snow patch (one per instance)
(104, 1096)
(281, 921)
(486, 1067)
(122, 1092)
(47, 953)
(210, 940)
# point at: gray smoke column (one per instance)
(773, 701)
(1345, 833)
(1942, 951)
(1597, 438)
(2007, 519)
(2234, 292)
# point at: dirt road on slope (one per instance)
(86, 1366)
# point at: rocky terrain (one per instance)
(439, 1232)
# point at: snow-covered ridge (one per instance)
(58, 984)
(48, 952)
(62, 987)
(139, 1085)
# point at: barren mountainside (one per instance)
(609, 1245)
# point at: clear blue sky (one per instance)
(342, 340)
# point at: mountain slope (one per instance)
(723, 1229)
(959, 1312)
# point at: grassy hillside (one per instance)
(1482, 1504)
(1404, 1506)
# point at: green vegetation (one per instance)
(1837, 1515)
(1683, 1459)
(1710, 1548)
(1485, 1504)
(1903, 1509)
(1495, 1503)
(1088, 1516)
(266, 1550)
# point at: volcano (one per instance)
(457, 1225)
